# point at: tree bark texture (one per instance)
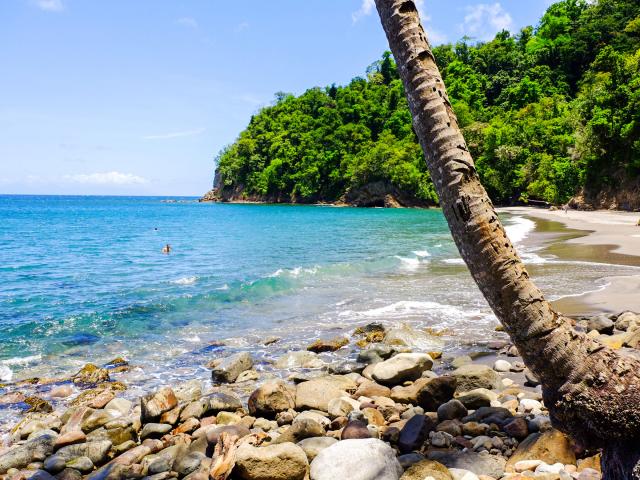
(591, 391)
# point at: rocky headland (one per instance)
(387, 411)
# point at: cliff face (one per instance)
(625, 196)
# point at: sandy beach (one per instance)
(600, 236)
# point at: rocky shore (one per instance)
(389, 411)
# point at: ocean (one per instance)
(83, 279)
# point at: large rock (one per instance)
(402, 367)
(551, 447)
(427, 469)
(474, 376)
(270, 399)
(285, 461)
(628, 321)
(34, 450)
(155, 404)
(318, 392)
(435, 392)
(601, 323)
(369, 459)
(478, 463)
(227, 370)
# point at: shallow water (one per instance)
(83, 279)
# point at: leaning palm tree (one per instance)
(591, 391)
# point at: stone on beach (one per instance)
(314, 445)
(368, 459)
(415, 432)
(286, 461)
(155, 404)
(318, 392)
(550, 447)
(427, 469)
(271, 398)
(35, 450)
(402, 367)
(470, 377)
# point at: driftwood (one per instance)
(224, 454)
(224, 457)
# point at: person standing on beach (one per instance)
(565, 207)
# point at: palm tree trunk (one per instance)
(591, 391)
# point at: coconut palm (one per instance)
(592, 392)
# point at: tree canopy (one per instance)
(546, 112)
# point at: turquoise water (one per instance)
(83, 279)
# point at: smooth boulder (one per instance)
(368, 459)
(402, 367)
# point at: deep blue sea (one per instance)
(84, 279)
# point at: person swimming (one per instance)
(166, 248)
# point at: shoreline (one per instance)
(401, 389)
(600, 236)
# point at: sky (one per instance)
(121, 97)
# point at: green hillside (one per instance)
(548, 113)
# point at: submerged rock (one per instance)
(332, 345)
(91, 374)
(299, 359)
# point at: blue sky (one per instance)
(137, 97)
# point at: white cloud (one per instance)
(188, 22)
(242, 26)
(435, 37)
(50, 5)
(106, 178)
(164, 136)
(484, 20)
(365, 9)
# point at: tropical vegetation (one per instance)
(546, 113)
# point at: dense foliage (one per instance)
(545, 112)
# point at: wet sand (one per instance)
(597, 236)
